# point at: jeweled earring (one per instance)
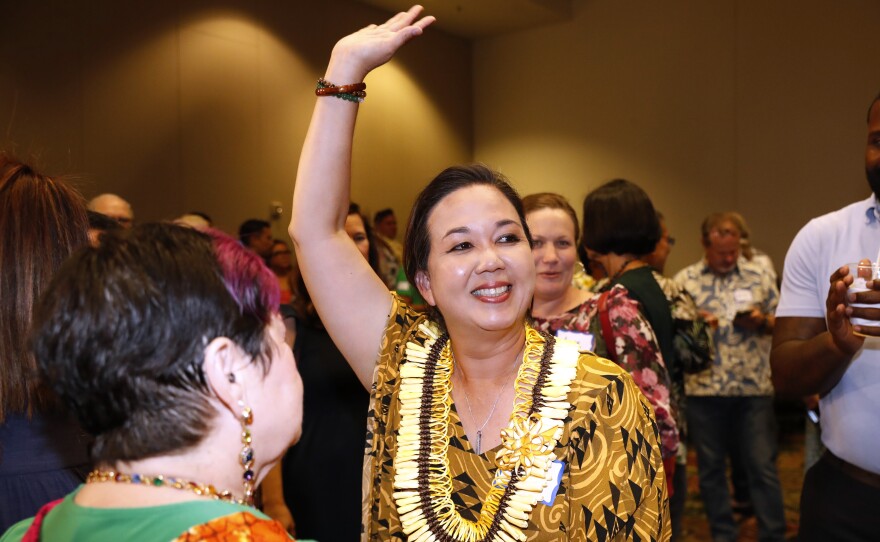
(246, 456)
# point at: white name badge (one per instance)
(743, 297)
(585, 340)
(549, 494)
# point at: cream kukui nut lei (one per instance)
(422, 481)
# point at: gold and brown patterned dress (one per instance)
(612, 485)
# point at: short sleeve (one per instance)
(799, 297)
(402, 319)
(617, 479)
(382, 418)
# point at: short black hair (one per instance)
(121, 331)
(250, 227)
(620, 218)
(380, 215)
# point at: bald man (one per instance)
(114, 207)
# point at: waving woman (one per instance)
(480, 427)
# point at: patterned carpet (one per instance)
(791, 475)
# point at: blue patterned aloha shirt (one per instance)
(742, 358)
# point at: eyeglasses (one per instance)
(281, 253)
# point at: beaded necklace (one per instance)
(422, 481)
(97, 476)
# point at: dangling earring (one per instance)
(246, 456)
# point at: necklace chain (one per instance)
(621, 271)
(495, 404)
(97, 476)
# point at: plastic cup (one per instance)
(863, 272)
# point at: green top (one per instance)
(643, 287)
(70, 522)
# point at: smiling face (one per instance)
(554, 251)
(480, 269)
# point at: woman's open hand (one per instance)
(355, 55)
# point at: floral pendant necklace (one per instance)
(422, 480)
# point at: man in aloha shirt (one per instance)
(731, 403)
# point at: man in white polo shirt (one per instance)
(815, 350)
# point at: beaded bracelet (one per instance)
(352, 93)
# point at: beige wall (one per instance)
(739, 104)
(731, 104)
(203, 105)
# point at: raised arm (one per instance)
(352, 301)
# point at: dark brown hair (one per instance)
(417, 242)
(550, 200)
(42, 221)
(120, 333)
(620, 218)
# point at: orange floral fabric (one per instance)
(238, 527)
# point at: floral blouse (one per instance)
(635, 350)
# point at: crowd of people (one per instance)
(507, 373)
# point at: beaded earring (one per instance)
(246, 456)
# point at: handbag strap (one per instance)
(33, 532)
(605, 321)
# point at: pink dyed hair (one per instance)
(248, 280)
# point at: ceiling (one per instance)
(476, 19)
